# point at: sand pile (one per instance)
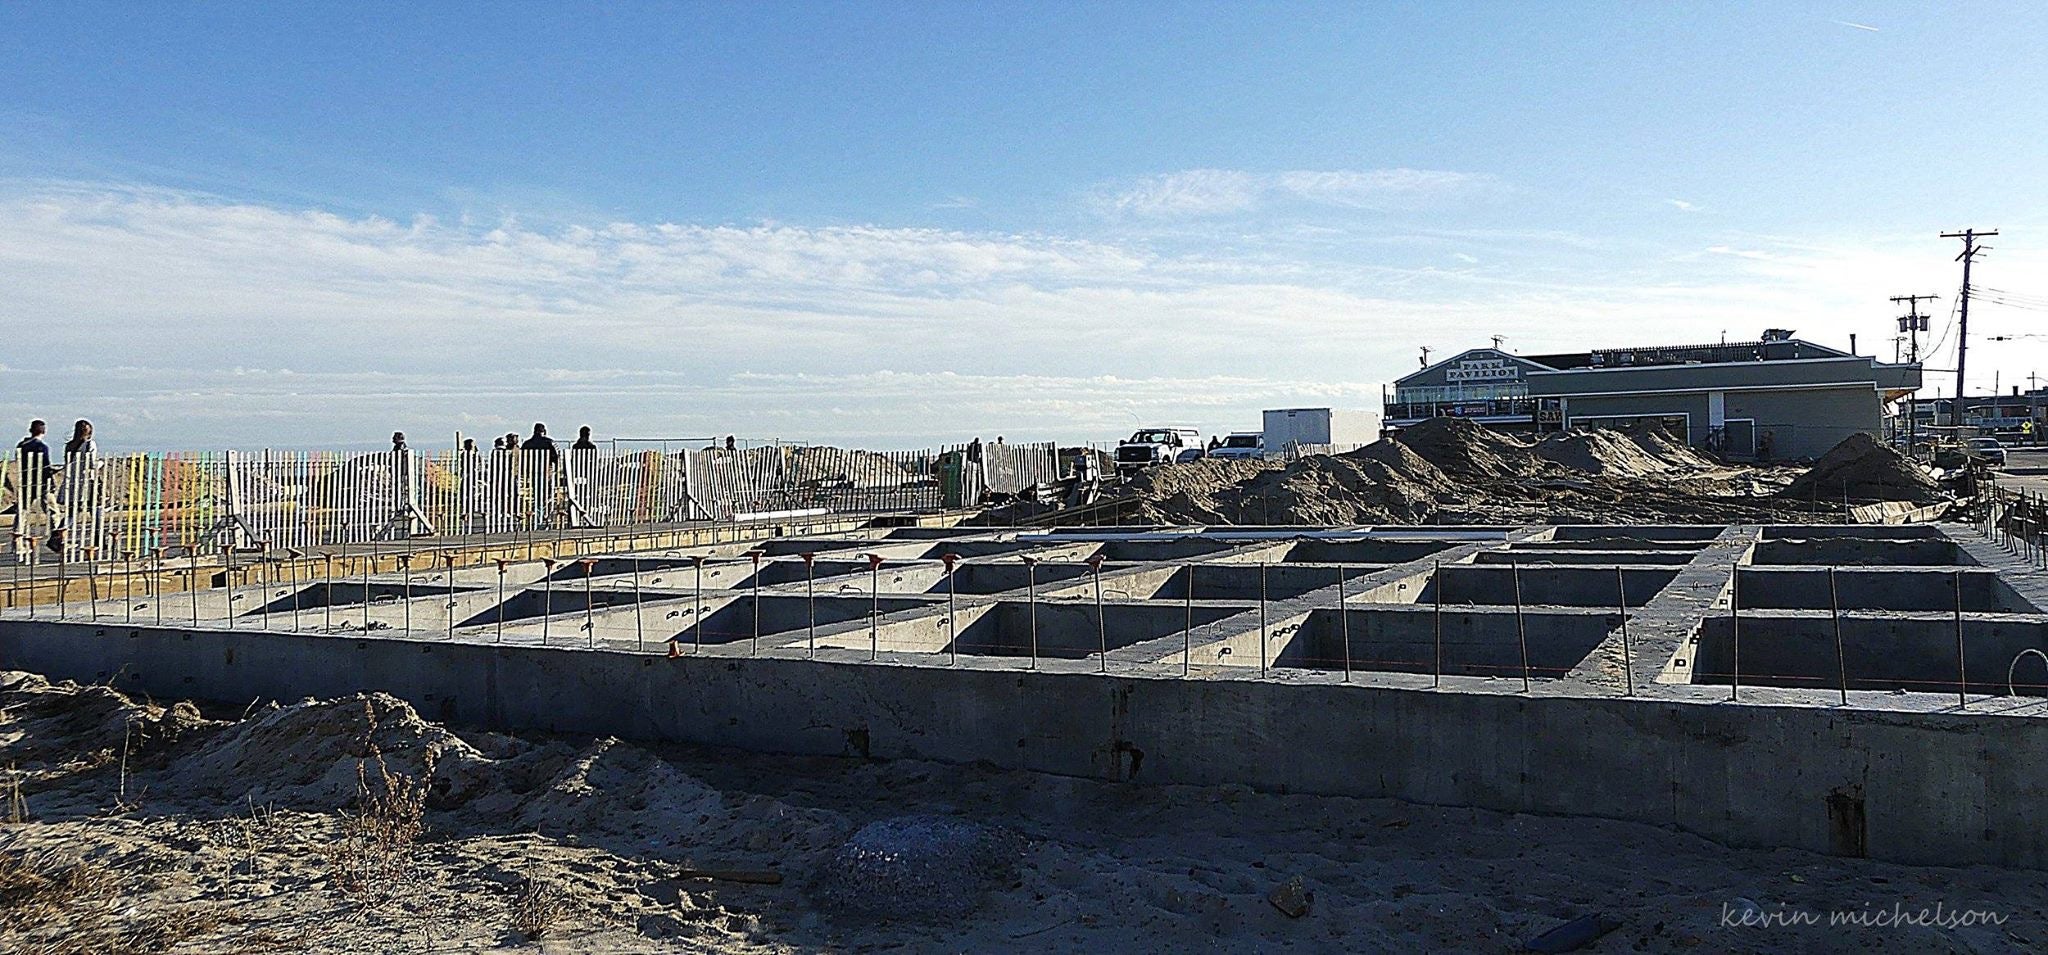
(1450, 470)
(917, 867)
(1461, 448)
(1866, 471)
(306, 755)
(51, 722)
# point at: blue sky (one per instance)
(897, 224)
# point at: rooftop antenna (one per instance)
(1425, 356)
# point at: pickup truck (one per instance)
(1150, 447)
(1242, 445)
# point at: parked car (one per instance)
(1987, 450)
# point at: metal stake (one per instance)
(1101, 628)
(127, 586)
(1344, 622)
(952, 610)
(1628, 669)
(449, 560)
(639, 609)
(1835, 612)
(874, 606)
(698, 626)
(1962, 670)
(589, 607)
(1187, 636)
(1521, 631)
(547, 595)
(405, 567)
(369, 559)
(1262, 618)
(1437, 582)
(501, 601)
(1031, 594)
(811, 601)
(756, 554)
(1735, 632)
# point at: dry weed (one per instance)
(52, 904)
(374, 855)
(536, 909)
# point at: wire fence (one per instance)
(95, 506)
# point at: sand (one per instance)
(227, 835)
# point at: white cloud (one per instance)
(182, 320)
(1214, 192)
(1682, 205)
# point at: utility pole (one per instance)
(1913, 323)
(1969, 254)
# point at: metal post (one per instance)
(1262, 618)
(874, 606)
(811, 602)
(952, 609)
(368, 559)
(1735, 632)
(589, 606)
(639, 609)
(1835, 612)
(192, 582)
(1628, 668)
(1101, 628)
(127, 586)
(1344, 622)
(327, 609)
(1521, 631)
(263, 573)
(547, 596)
(697, 627)
(449, 604)
(1031, 594)
(404, 567)
(1962, 670)
(501, 601)
(756, 554)
(64, 583)
(1187, 636)
(156, 584)
(32, 580)
(1437, 587)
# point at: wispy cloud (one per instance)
(1682, 205)
(1855, 26)
(1212, 192)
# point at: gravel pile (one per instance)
(916, 867)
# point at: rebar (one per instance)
(1962, 669)
(952, 609)
(1628, 669)
(1344, 623)
(1436, 580)
(1187, 635)
(1262, 618)
(1101, 628)
(811, 602)
(1835, 613)
(1735, 633)
(1521, 630)
(756, 555)
(639, 609)
(1031, 595)
(589, 607)
(501, 602)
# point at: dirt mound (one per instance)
(1459, 447)
(1864, 470)
(1449, 470)
(839, 467)
(54, 722)
(1611, 454)
(307, 754)
(917, 867)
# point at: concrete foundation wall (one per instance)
(1948, 789)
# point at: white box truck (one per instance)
(1299, 426)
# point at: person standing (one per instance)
(583, 442)
(76, 490)
(31, 475)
